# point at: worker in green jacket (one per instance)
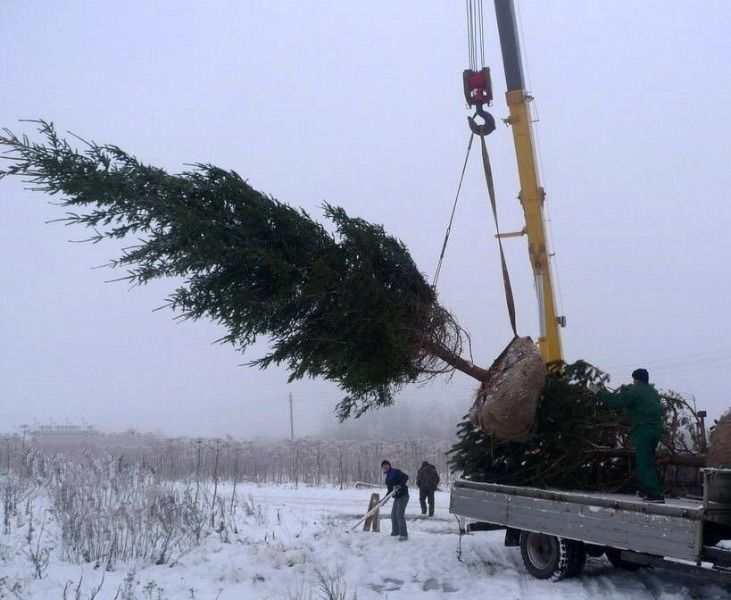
(645, 415)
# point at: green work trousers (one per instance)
(646, 438)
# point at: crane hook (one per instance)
(484, 128)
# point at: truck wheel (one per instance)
(615, 557)
(550, 557)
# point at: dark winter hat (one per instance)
(641, 375)
(384, 463)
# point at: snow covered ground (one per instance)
(285, 536)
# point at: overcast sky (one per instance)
(360, 105)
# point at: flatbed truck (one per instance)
(557, 529)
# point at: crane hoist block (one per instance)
(477, 86)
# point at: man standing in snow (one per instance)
(396, 480)
(644, 413)
(427, 480)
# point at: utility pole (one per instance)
(23, 453)
(215, 484)
(291, 418)
(24, 429)
(198, 471)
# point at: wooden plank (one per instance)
(689, 459)
(720, 576)
(373, 521)
(718, 556)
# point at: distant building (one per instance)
(64, 438)
(59, 434)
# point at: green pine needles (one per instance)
(577, 442)
(348, 306)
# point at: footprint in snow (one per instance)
(433, 584)
(389, 585)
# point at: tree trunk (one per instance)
(664, 458)
(455, 361)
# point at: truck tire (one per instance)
(615, 557)
(550, 557)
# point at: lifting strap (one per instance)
(451, 216)
(491, 192)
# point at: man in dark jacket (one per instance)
(427, 480)
(645, 415)
(396, 480)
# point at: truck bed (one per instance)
(673, 529)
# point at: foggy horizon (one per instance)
(362, 106)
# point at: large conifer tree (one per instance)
(349, 305)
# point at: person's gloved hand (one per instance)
(396, 489)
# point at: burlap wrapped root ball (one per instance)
(719, 451)
(505, 406)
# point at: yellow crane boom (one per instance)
(531, 194)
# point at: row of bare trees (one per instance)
(301, 462)
(307, 461)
